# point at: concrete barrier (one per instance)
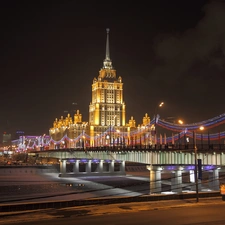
(100, 201)
(29, 169)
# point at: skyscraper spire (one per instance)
(107, 64)
(107, 55)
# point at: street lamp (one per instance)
(160, 105)
(180, 121)
(83, 131)
(118, 137)
(196, 169)
(84, 147)
(146, 136)
(196, 164)
(97, 140)
(201, 128)
(179, 140)
(110, 141)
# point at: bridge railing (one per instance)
(165, 147)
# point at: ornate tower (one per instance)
(107, 116)
(107, 108)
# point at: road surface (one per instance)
(172, 212)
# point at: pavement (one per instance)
(48, 214)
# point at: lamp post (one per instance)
(110, 132)
(118, 138)
(201, 128)
(196, 168)
(160, 105)
(145, 136)
(97, 140)
(180, 141)
(196, 164)
(110, 141)
(84, 147)
(83, 136)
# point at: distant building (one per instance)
(6, 139)
(19, 133)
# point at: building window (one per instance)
(102, 96)
(103, 120)
(110, 96)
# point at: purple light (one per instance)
(95, 160)
(171, 167)
(83, 160)
(107, 161)
(71, 160)
(209, 167)
(190, 167)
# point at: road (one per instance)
(185, 212)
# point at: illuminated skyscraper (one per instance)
(107, 115)
(107, 108)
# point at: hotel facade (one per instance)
(107, 124)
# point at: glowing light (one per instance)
(180, 122)
(181, 129)
(201, 128)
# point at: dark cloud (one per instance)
(178, 53)
(188, 66)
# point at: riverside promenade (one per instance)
(30, 188)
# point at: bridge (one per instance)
(145, 136)
(158, 159)
(187, 150)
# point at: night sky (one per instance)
(171, 51)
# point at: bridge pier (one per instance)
(155, 180)
(100, 167)
(122, 167)
(63, 166)
(192, 180)
(192, 176)
(176, 181)
(88, 167)
(111, 166)
(76, 166)
(214, 183)
(176, 178)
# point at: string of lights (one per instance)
(180, 129)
